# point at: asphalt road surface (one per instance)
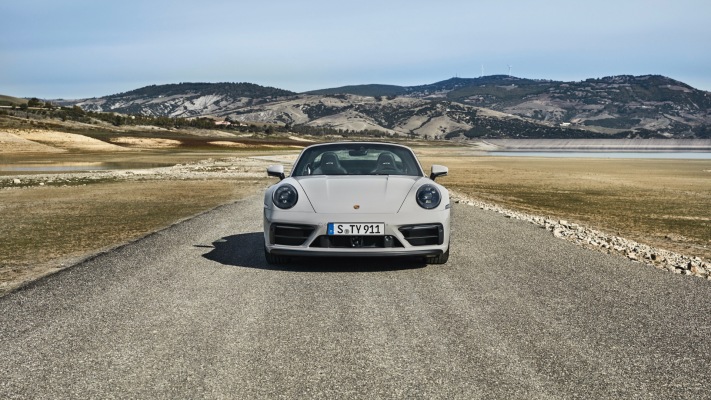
(194, 312)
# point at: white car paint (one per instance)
(357, 198)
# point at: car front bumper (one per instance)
(305, 234)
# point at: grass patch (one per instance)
(43, 225)
(663, 203)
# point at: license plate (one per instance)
(358, 229)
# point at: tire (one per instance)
(438, 259)
(274, 259)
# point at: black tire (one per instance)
(275, 259)
(438, 259)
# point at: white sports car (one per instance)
(356, 199)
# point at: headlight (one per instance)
(428, 197)
(285, 196)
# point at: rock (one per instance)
(16, 181)
(698, 270)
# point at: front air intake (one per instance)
(346, 242)
(423, 235)
(290, 235)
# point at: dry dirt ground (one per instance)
(665, 203)
(52, 220)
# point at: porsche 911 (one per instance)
(356, 199)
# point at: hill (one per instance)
(649, 105)
(11, 101)
(490, 106)
(504, 106)
(184, 99)
(363, 90)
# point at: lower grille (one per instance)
(290, 235)
(423, 235)
(349, 242)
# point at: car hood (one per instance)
(357, 194)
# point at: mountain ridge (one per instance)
(489, 106)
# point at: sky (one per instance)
(74, 49)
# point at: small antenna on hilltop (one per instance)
(509, 70)
(482, 71)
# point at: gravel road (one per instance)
(194, 312)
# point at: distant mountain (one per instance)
(364, 90)
(491, 106)
(608, 105)
(184, 99)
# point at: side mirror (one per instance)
(438, 170)
(276, 171)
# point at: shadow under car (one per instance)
(246, 250)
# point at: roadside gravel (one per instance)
(594, 239)
(223, 168)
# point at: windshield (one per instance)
(357, 159)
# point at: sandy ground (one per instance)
(145, 142)
(53, 141)
(14, 143)
(36, 141)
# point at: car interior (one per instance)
(358, 161)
